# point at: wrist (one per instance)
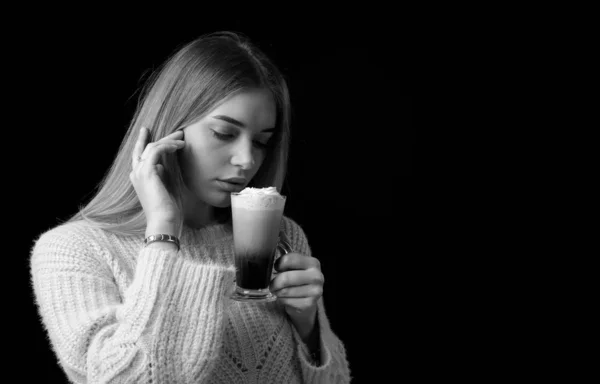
(162, 227)
(154, 230)
(308, 330)
(165, 246)
(305, 324)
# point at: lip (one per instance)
(235, 180)
(230, 187)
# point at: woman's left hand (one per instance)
(298, 286)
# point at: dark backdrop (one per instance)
(348, 174)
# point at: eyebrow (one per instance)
(238, 123)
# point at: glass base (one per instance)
(253, 295)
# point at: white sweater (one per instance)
(116, 312)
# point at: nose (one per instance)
(242, 155)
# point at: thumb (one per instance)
(160, 170)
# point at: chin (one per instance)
(219, 200)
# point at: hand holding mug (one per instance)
(298, 285)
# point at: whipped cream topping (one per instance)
(260, 191)
(258, 198)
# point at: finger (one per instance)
(177, 135)
(172, 139)
(152, 153)
(160, 170)
(294, 261)
(310, 290)
(296, 278)
(140, 144)
(299, 305)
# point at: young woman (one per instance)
(120, 307)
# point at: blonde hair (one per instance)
(192, 82)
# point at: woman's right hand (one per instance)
(147, 177)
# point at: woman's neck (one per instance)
(198, 218)
(198, 214)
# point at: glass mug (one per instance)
(257, 238)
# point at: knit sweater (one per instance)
(117, 312)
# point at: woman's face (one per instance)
(229, 142)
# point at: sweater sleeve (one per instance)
(165, 327)
(334, 367)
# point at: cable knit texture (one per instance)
(116, 312)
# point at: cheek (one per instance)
(259, 158)
(190, 158)
(202, 159)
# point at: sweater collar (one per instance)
(210, 234)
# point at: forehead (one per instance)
(255, 108)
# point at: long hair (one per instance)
(192, 82)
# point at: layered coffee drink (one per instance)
(256, 215)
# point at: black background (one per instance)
(349, 172)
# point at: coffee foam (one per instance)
(260, 191)
(260, 198)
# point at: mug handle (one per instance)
(284, 246)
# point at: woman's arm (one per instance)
(166, 327)
(327, 362)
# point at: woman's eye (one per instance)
(229, 136)
(222, 136)
(261, 145)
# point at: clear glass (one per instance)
(257, 238)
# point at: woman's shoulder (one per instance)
(290, 225)
(295, 234)
(77, 247)
(68, 236)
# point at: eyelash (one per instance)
(227, 137)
